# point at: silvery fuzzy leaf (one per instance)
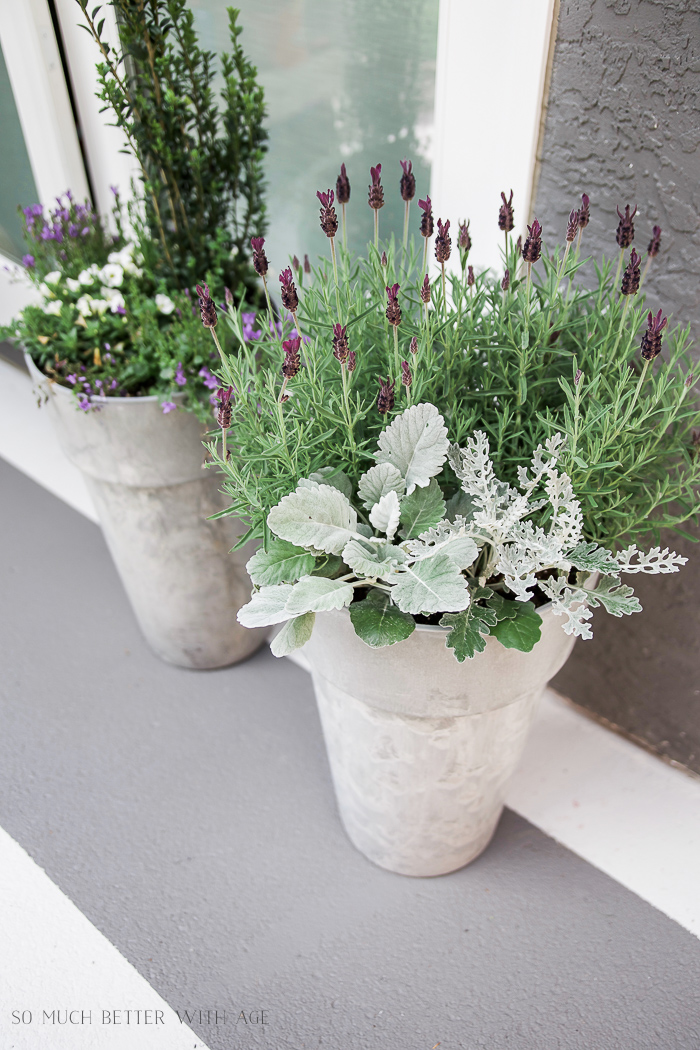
(365, 530)
(421, 510)
(318, 594)
(445, 539)
(293, 635)
(369, 559)
(320, 517)
(385, 514)
(617, 598)
(266, 607)
(589, 557)
(334, 477)
(282, 562)
(416, 443)
(657, 560)
(430, 586)
(570, 602)
(377, 481)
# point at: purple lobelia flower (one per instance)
(393, 310)
(342, 186)
(29, 261)
(290, 299)
(329, 219)
(210, 381)
(168, 406)
(207, 307)
(625, 228)
(385, 397)
(651, 340)
(259, 257)
(632, 275)
(408, 181)
(180, 377)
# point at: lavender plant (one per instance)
(524, 356)
(396, 550)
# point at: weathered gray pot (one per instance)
(144, 472)
(421, 747)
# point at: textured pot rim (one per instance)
(67, 391)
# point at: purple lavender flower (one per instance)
(393, 310)
(292, 361)
(329, 219)
(655, 242)
(413, 345)
(376, 190)
(443, 241)
(207, 307)
(408, 181)
(385, 397)
(352, 361)
(584, 212)
(532, 249)
(342, 186)
(426, 222)
(625, 228)
(632, 276)
(470, 276)
(651, 340)
(259, 257)
(425, 289)
(572, 225)
(506, 221)
(341, 348)
(406, 375)
(290, 299)
(223, 414)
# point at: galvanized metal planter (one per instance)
(421, 748)
(144, 472)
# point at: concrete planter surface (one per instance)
(421, 747)
(145, 475)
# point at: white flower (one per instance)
(88, 276)
(48, 293)
(112, 274)
(73, 285)
(164, 304)
(114, 298)
(53, 278)
(125, 259)
(99, 306)
(53, 307)
(84, 305)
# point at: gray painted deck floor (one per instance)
(190, 816)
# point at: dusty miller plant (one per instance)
(395, 551)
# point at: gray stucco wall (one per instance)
(623, 125)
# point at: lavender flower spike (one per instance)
(385, 398)
(532, 249)
(223, 412)
(342, 186)
(584, 213)
(376, 190)
(443, 242)
(655, 242)
(408, 181)
(651, 340)
(207, 307)
(625, 228)
(288, 293)
(393, 310)
(341, 349)
(506, 222)
(329, 219)
(426, 222)
(631, 277)
(572, 226)
(259, 257)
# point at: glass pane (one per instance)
(345, 80)
(16, 180)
